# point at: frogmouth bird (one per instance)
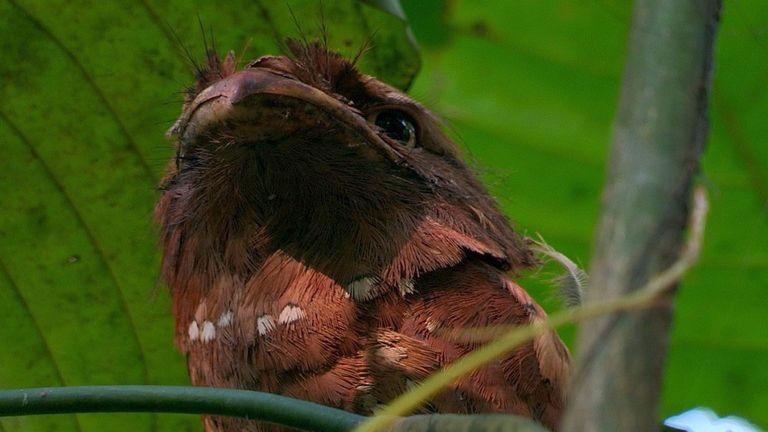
(321, 234)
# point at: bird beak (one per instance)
(228, 98)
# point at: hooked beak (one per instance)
(227, 99)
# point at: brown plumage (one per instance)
(320, 233)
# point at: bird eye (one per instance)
(397, 125)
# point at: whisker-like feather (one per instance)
(571, 284)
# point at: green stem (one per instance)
(191, 400)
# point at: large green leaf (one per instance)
(531, 86)
(87, 90)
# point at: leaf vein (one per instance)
(132, 145)
(91, 239)
(36, 326)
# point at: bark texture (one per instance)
(659, 135)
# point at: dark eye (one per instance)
(397, 125)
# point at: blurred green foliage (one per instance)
(528, 87)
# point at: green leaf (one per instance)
(530, 89)
(88, 90)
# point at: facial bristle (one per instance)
(570, 284)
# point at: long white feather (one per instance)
(572, 283)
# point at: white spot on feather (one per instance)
(208, 333)
(193, 331)
(392, 355)
(291, 313)
(406, 287)
(363, 288)
(265, 324)
(225, 319)
(431, 325)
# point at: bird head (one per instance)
(306, 155)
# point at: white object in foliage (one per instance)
(705, 420)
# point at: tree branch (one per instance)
(659, 135)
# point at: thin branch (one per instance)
(647, 296)
(191, 400)
(266, 407)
